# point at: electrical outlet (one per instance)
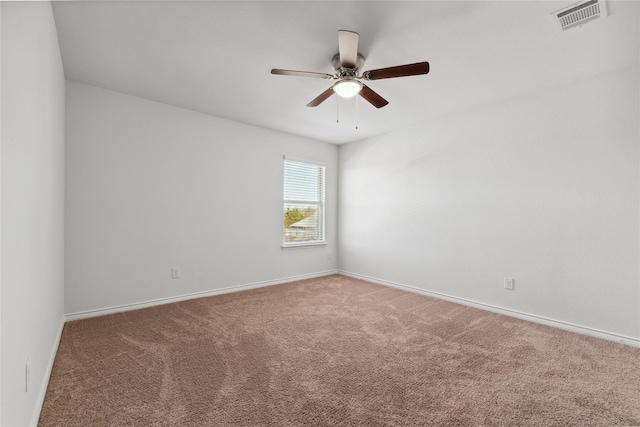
(328, 255)
(27, 374)
(175, 272)
(508, 283)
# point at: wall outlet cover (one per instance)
(508, 283)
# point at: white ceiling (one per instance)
(215, 57)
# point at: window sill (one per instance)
(302, 245)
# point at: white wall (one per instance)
(543, 188)
(32, 205)
(151, 186)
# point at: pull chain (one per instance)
(338, 110)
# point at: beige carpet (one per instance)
(334, 351)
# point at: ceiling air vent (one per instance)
(579, 14)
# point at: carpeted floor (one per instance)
(334, 351)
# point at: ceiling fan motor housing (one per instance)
(347, 73)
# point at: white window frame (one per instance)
(321, 203)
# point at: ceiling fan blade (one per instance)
(321, 98)
(376, 100)
(301, 74)
(348, 48)
(398, 71)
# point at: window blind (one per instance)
(303, 202)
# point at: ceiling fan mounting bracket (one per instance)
(344, 72)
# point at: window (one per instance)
(303, 202)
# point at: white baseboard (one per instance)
(633, 342)
(138, 305)
(47, 374)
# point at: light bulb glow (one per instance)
(347, 88)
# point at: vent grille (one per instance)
(579, 14)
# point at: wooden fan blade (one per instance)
(348, 48)
(301, 74)
(371, 96)
(321, 98)
(398, 71)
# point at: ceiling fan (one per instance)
(347, 64)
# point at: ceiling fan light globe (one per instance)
(347, 88)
